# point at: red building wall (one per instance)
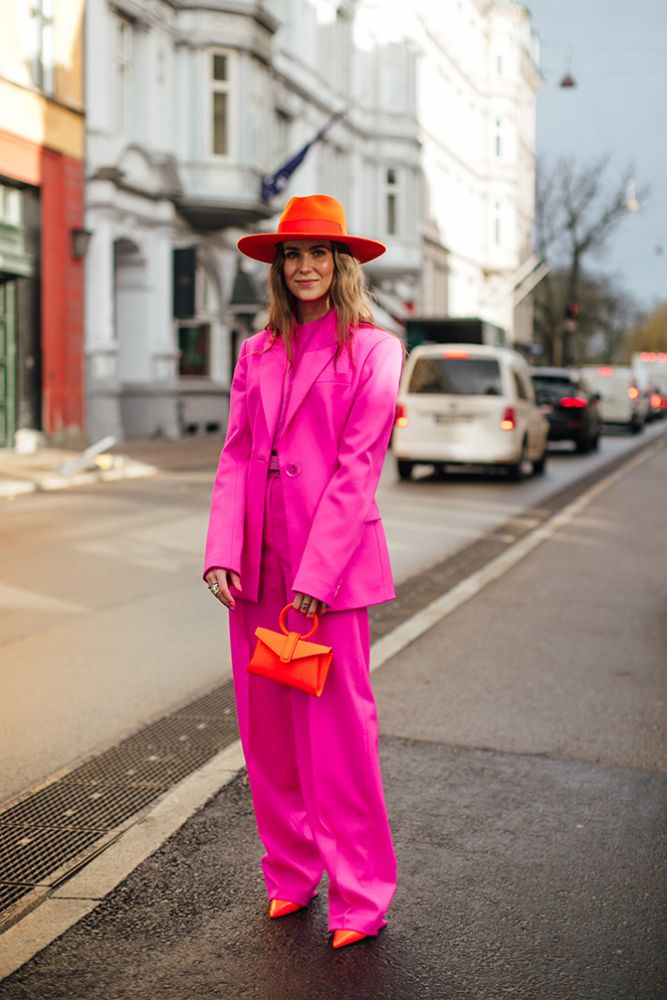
(60, 181)
(62, 297)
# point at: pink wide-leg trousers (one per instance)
(313, 763)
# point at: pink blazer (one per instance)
(335, 436)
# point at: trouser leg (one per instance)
(337, 750)
(292, 864)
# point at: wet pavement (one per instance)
(520, 876)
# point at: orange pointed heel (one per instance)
(341, 939)
(282, 907)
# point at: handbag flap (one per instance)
(278, 642)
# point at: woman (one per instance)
(294, 521)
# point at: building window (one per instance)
(499, 138)
(41, 47)
(11, 207)
(496, 224)
(123, 72)
(391, 202)
(220, 103)
(194, 349)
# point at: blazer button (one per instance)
(292, 470)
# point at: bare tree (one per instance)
(576, 212)
(651, 334)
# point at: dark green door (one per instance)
(7, 363)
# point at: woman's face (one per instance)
(308, 269)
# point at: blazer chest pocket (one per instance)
(335, 378)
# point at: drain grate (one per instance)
(12, 892)
(51, 832)
(140, 765)
(65, 804)
(30, 855)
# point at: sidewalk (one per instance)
(525, 761)
(58, 468)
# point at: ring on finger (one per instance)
(214, 588)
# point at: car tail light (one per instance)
(573, 402)
(656, 401)
(401, 419)
(633, 392)
(508, 423)
(456, 354)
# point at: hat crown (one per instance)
(319, 214)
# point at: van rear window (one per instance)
(456, 376)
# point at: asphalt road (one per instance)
(525, 761)
(109, 626)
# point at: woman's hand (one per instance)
(309, 606)
(223, 577)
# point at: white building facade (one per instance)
(477, 82)
(190, 105)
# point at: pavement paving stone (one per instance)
(520, 876)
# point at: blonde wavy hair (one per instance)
(348, 296)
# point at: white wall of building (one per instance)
(418, 160)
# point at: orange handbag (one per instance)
(286, 657)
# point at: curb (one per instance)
(51, 481)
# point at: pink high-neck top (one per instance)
(304, 334)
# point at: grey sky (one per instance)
(618, 55)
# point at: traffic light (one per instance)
(572, 310)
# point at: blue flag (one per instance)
(273, 184)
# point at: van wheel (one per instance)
(636, 427)
(540, 464)
(404, 468)
(515, 469)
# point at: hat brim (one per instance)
(262, 246)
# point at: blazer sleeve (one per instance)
(224, 539)
(339, 519)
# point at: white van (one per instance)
(468, 404)
(622, 400)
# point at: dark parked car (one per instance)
(570, 406)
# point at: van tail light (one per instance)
(401, 418)
(656, 401)
(573, 403)
(508, 423)
(456, 354)
(633, 392)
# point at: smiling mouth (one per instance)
(308, 281)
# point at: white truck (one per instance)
(621, 398)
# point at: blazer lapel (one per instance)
(309, 368)
(271, 378)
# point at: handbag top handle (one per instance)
(283, 626)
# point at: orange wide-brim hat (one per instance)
(317, 217)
